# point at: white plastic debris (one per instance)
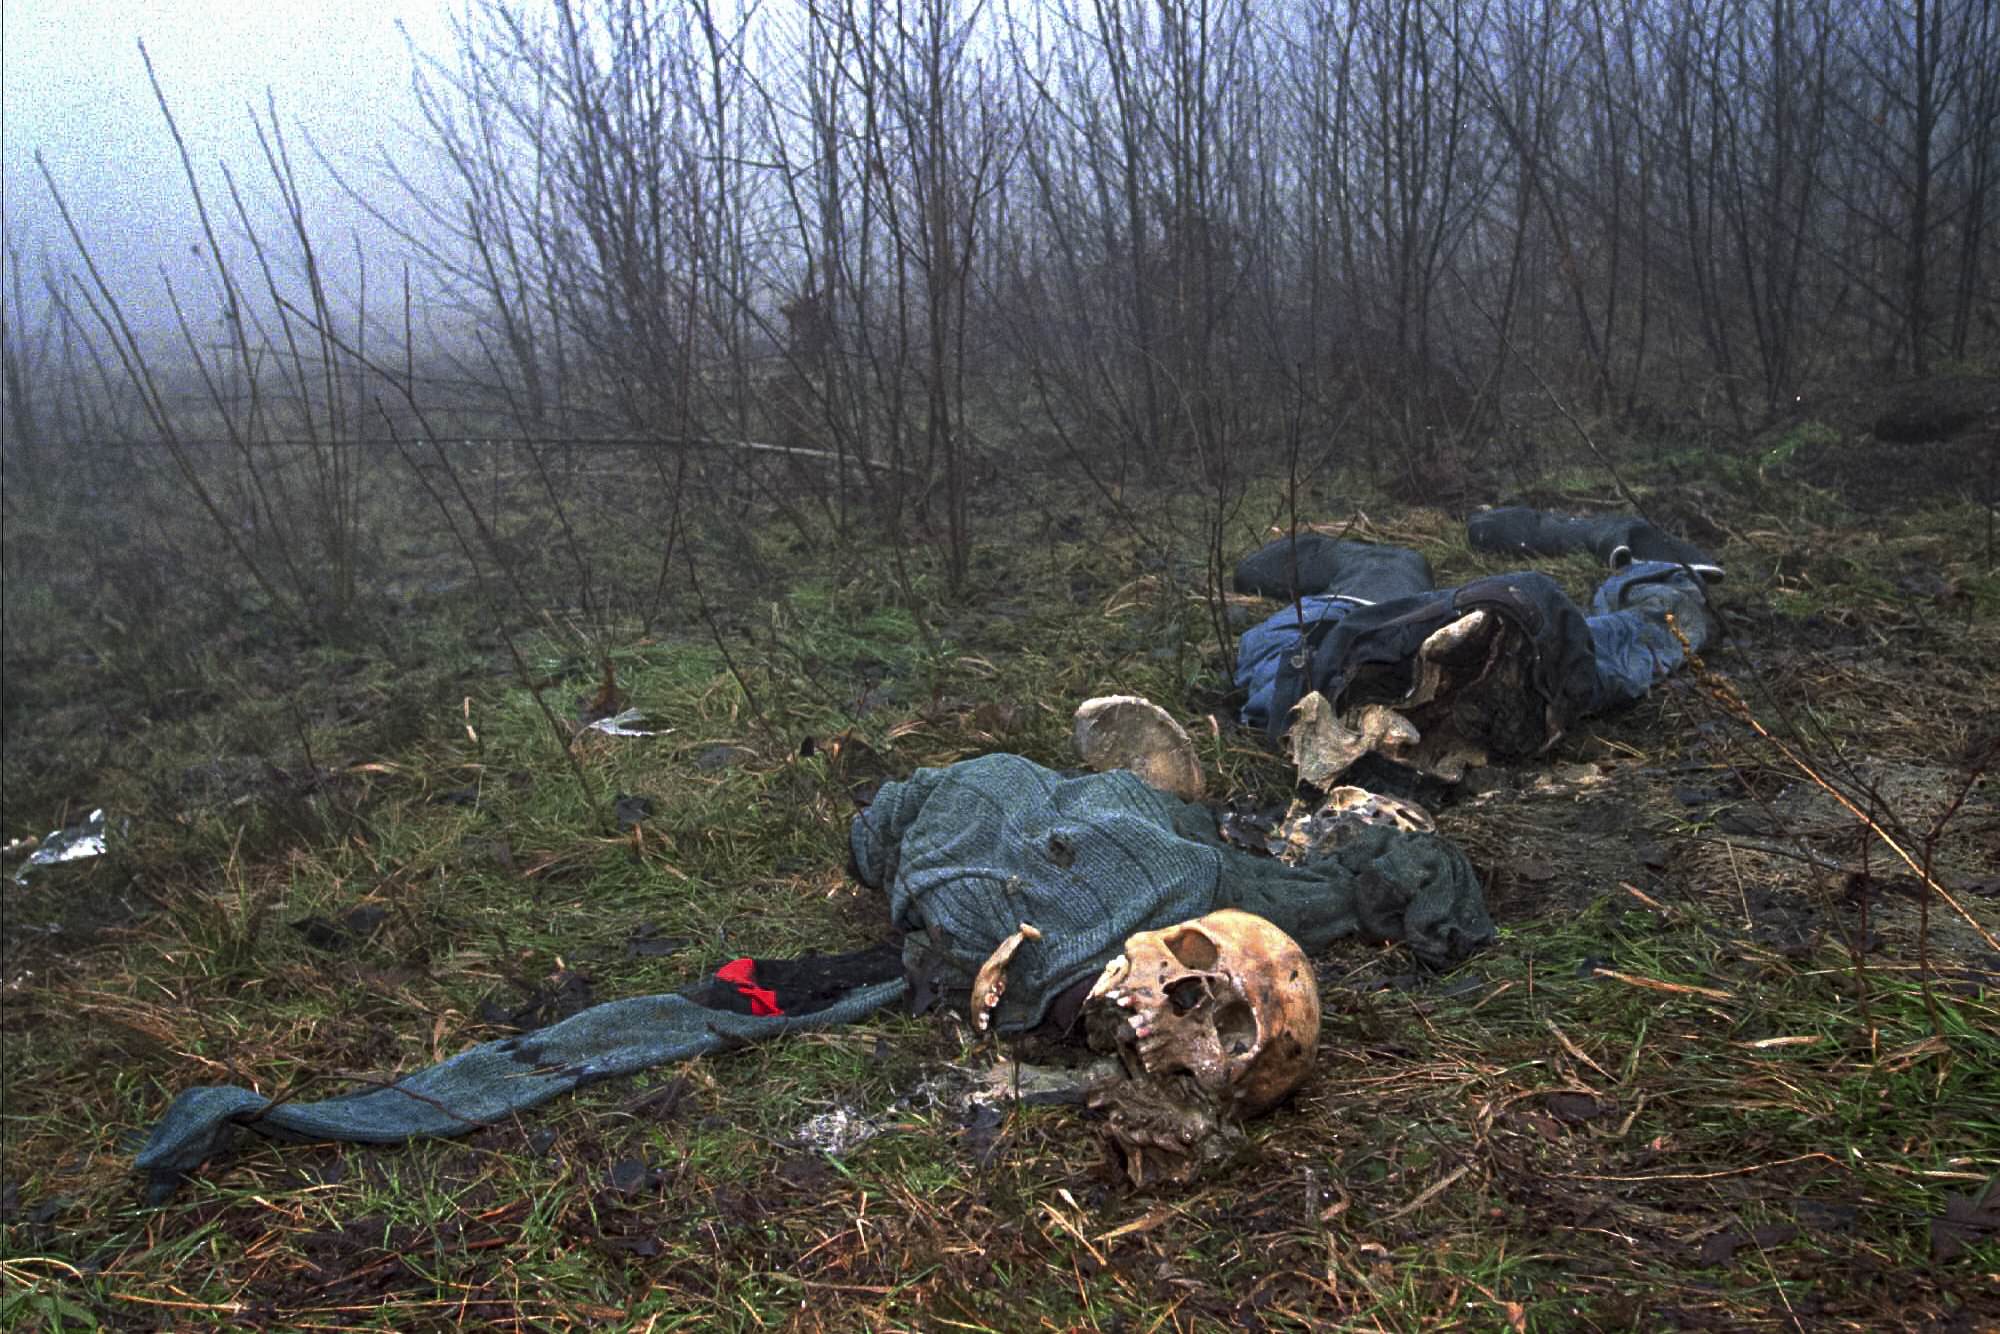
(622, 724)
(838, 1131)
(68, 845)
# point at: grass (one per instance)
(1669, 1098)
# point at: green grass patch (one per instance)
(1669, 1097)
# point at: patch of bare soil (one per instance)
(1673, 802)
(1939, 408)
(1881, 477)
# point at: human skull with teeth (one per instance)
(1213, 1021)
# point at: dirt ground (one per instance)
(1734, 1063)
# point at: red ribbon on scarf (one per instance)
(742, 974)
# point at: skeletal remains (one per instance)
(1213, 1021)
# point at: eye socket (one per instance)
(1194, 950)
(1236, 1028)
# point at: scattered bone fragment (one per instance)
(1325, 745)
(1442, 661)
(1009, 1081)
(1129, 732)
(1461, 674)
(989, 984)
(1308, 831)
(1365, 807)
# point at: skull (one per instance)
(1213, 1021)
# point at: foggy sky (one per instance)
(73, 86)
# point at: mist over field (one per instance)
(1672, 212)
(75, 91)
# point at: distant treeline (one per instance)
(1167, 222)
(1146, 233)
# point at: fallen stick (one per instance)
(1654, 984)
(602, 442)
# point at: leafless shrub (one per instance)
(275, 392)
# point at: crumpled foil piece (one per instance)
(67, 845)
(622, 724)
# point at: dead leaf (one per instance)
(1824, 1215)
(1575, 1108)
(1721, 1248)
(1544, 1125)
(1968, 1220)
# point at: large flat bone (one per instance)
(1130, 732)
